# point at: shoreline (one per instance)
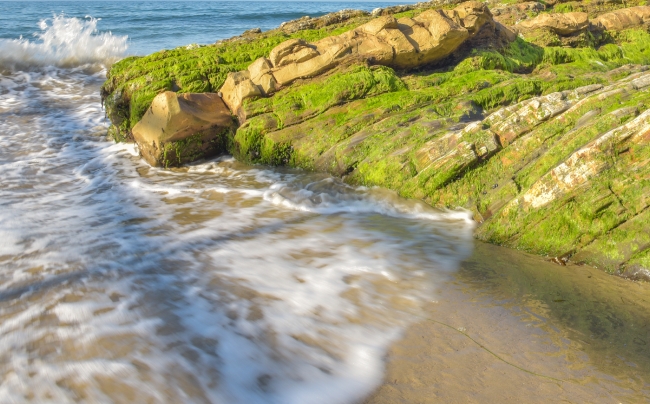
(491, 337)
(501, 124)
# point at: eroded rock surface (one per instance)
(623, 19)
(403, 43)
(561, 24)
(179, 128)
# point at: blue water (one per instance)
(152, 26)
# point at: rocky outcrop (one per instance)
(403, 43)
(561, 24)
(307, 22)
(587, 162)
(623, 19)
(548, 146)
(178, 128)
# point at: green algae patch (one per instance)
(200, 145)
(302, 101)
(299, 103)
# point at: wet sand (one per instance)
(515, 328)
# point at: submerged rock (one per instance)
(181, 128)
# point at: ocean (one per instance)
(217, 282)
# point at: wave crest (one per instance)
(63, 42)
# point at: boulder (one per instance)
(404, 53)
(623, 19)
(377, 25)
(262, 77)
(561, 24)
(238, 87)
(373, 49)
(287, 74)
(180, 128)
(446, 35)
(473, 16)
(258, 68)
(288, 48)
(418, 35)
(300, 56)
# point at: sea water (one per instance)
(218, 282)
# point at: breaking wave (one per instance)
(62, 42)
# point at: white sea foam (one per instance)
(62, 42)
(217, 283)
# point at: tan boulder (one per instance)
(259, 67)
(287, 74)
(288, 48)
(405, 55)
(267, 83)
(623, 19)
(446, 35)
(180, 128)
(238, 87)
(561, 24)
(404, 43)
(261, 75)
(473, 16)
(378, 24)
(419, 36)
(300, 56)
(374, 50)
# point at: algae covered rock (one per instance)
(404, 43)
(181, 128)
(548, 146)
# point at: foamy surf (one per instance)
(218, 283)
(62, 42)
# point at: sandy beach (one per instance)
(491, 336)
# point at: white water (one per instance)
(62, 42)
(215, 283)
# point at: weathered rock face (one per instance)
(623, 19)
(237, 88)
(180, 128)
(561, 24)
(405, 43)
(587, 162)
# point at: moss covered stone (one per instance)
(133, 82)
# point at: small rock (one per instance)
(253, 31)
